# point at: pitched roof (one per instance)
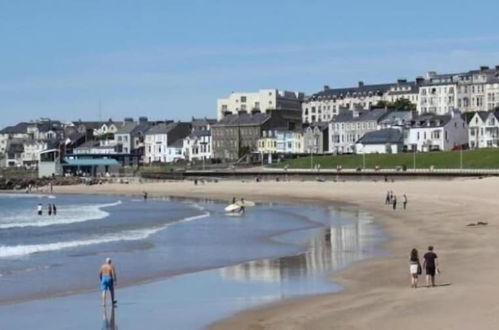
(384, 136)
(19, 128)
(360, 90)
(243, 119)
(366, 115)
(161, 128)
(430, 120)
(177, 144)
(133, 128)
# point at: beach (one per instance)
(377, 293)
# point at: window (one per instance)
(243, 99)
(224, 107)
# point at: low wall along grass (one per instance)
(471, 159)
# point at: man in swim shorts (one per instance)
(108, 279)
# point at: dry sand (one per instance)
(377, 292)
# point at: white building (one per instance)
(289, 142)
(438, 94)
(32, 150)
(130, 137)
(384, 141)
(162, 142)
(326, 104)
(431, 132)
(198, 146)
(349, 126)
(483, 130)
(263, 100)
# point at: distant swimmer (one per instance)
(54, 209)
(50, 209)
(233, 200)
(145, 195)
(40, 209)
(107, 276)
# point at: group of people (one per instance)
(430, 265)
(391, 199)
(52, 209)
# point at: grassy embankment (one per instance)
(472, 159)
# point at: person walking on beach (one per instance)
(414, 268)
(394, 202)
(107, 276)
(405, 201)
(387, 200)
(50, 209)
(430, 265)
(40, 209)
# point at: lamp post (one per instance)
(414, 147)
(461, 157)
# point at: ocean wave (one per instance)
(66, 215)
(23, 195)
(130, 235)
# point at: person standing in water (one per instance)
(40, 209)
(414, 268)
(108, 279)
(394, 201)
(54, 209)
(145, 195)
(50, 209)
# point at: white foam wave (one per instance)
(130, 235)
(21, 195)
(66, 215)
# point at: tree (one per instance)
(400, 104)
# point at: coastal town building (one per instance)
(432, 132)
(264, 100)
(316, 138)
(349, 126)
(383, 141)
(237, 135)
(328, 103)
(197, 146)
(164, 142)
(483, 129)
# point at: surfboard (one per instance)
(232, 208)
(246, 203)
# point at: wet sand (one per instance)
(377, 292)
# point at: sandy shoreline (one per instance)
(377, 294)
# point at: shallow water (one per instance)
(271, 253)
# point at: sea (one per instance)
(181, 262)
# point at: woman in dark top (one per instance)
(414, 268)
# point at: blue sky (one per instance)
(173, 59)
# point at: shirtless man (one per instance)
(108, 279)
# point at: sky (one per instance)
(89, 60)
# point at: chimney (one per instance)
(355, 113)
(143, 120)
(361, 83)
(240, 112)
(326, 87)
(419, 80)
(484, 68)
(255, 111)
(497, 67)
(401, 81)
(128, 120)
(430, 74)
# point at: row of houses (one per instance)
(469, 91)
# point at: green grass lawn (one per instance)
(472, 159)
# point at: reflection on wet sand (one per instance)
(108, 318)
(333, 248)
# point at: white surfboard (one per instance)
(246, 203)
(232, 208)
